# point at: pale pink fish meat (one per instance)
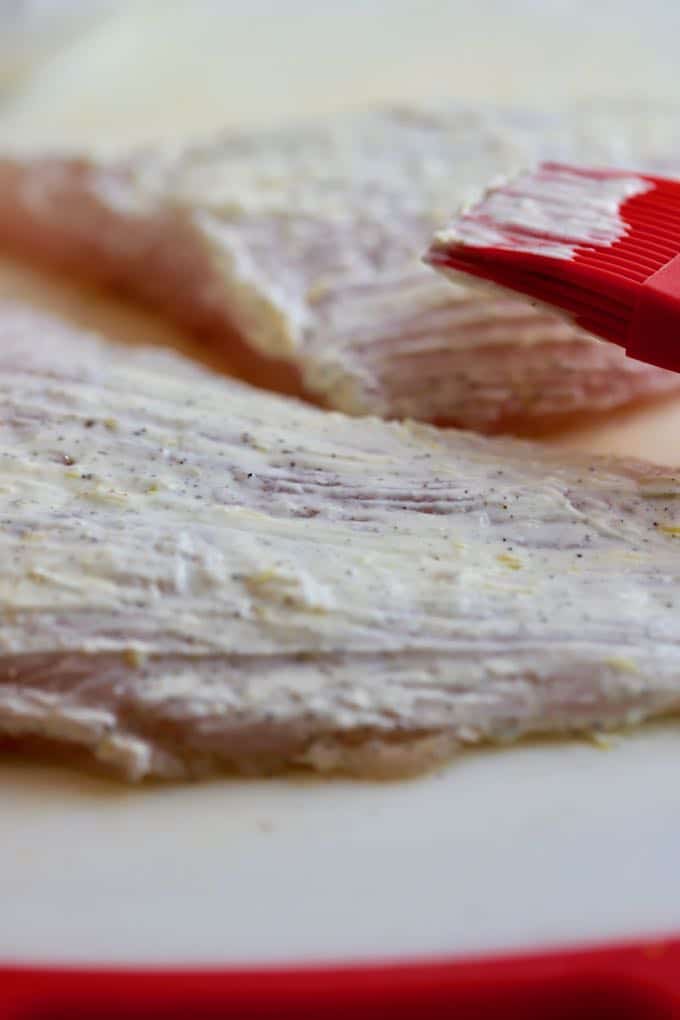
(300, 250)
(198, 575)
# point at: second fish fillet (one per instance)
(299, 251)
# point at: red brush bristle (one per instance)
(597, 282)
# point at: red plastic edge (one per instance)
(640, 980)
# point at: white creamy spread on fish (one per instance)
(199, 574)
(309, 241)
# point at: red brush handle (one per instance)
(635, 982)
(655, 326)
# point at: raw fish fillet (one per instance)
(198, 575)
(300, 249)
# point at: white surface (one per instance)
(537, 846)
(527, 846)
(168, 67)
(33, 30)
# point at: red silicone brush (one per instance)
(601, 245)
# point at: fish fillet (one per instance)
(197, 575)
(300, 250)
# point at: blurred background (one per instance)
(118, 73)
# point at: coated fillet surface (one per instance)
(198, 575)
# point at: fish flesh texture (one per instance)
(198, 575)
(300, 249)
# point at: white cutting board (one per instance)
(540, 844)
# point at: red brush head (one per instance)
(600, 245)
